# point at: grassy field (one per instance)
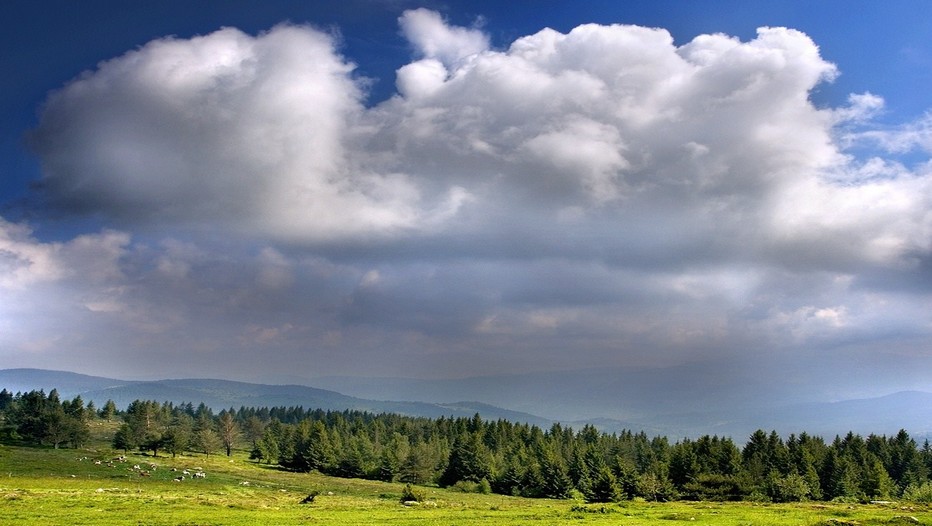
(69, 487)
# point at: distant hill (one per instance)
(677, 405)
(223, 394)
(68, 384)
(683, 401)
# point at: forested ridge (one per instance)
(504, 457)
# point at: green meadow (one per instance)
(44, 486)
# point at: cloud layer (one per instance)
(602, 196)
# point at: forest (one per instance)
(476, 455)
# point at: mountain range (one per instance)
(677, 403)
(721, 398)
(224, 394)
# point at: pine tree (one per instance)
(420, 465)
(267, 446)
(6, 399)
(683, 464)
(556, 483)
(108, 411)
(392, 456)
(124, 438)
(604, 487)
(179, 433)
(469, 461)
(205, 437)
(875, 481)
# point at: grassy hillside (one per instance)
(45, 486)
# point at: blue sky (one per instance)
(446, 189)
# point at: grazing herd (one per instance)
(146, 469)
(198, 473)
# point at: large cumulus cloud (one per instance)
(603, 190)
(609, 124)
(251, 131)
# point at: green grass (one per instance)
(61, 487)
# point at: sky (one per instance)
(280, 190)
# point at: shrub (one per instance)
(591, 508)
(468, 486)
(465, 486)
(575, 494)
(655, 488)
(713, 487)
(484, 487)
(919, 493)
(791, 488)
(410, 494)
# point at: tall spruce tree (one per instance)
(469, 460)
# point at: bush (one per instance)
(591, 508)
(921, 493)
(410, 494)
(791, 488)
(713, 487)
(575, 494)
(655, 488)
(484, 487)
(468, 486)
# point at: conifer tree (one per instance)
(469, 460)
(108, 411)
(179, 433)
(604, 487)
(205, 437)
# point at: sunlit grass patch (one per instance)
(47, 486)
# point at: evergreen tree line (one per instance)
(520, 459)
(37, 418)
(500, 456)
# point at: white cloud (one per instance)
(861, 107)
(916, 135)
(586, 147)
(24, 261)
(421, 79)
(250, 131)
(435, 39)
